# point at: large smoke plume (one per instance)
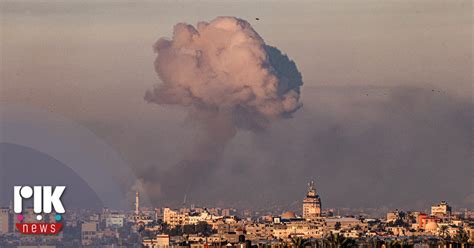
(229, 79)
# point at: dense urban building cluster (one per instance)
(218, 227)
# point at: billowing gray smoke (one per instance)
(229, 79)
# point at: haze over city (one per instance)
(383, 117)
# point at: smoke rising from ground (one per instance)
(229, 79)
(366, 146)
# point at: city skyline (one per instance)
(194, 226)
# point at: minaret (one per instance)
(137, 203)
(311, 203)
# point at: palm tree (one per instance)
(443, 231)
(374, 242)
(186, 239)
(338, 241)
(315, 243)
(461, 237)
(412, 240)
(364, 243)
(442, 242)
(404, 243)
(298, 242)
(392, 243)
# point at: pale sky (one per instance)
(92, 61)
(87, 51)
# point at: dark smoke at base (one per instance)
(403, 147)
(229, 79)
(366, 146)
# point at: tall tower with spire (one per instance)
(311, 203)
(137, 203)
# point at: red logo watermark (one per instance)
(45, 199)
(39, 228)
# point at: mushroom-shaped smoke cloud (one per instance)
(228, 77)
(225, 67)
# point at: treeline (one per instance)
(199, 228)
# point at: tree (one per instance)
(443, 231)
(404, 243)
(374, 242)
(298, 242)
(204, 228)
(317, 243)
(185, 241)
(189, 229)
(399, 222)
(392, 243)
(338, 241)
(461, 238)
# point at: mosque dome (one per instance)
(431, 226)
(288, 215)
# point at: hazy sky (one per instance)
(387, 114)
